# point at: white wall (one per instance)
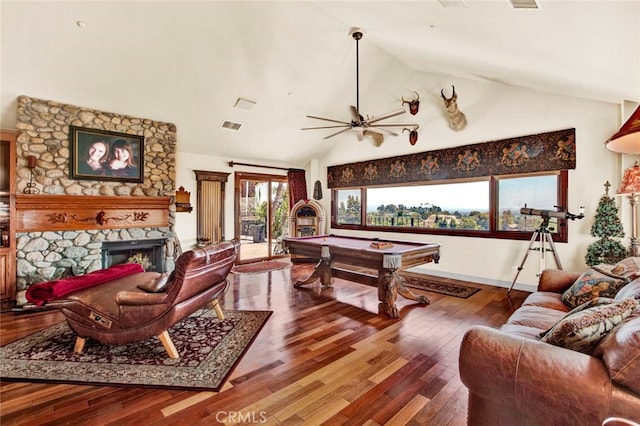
(186, 163)
(497, 112)
(494, 112)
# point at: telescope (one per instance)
(544, 237)
(546, 214)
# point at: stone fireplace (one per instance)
(149, 253)
(70, 222)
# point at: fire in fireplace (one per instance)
(149, 253)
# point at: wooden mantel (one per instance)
(78, 212)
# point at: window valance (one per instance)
(525, 154)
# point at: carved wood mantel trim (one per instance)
(77, 212)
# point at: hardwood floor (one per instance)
(324, 357)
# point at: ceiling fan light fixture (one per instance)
(361, 125)
(376, 138)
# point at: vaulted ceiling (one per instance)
(188, 62)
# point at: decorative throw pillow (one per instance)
(592, 284)
(629, 290)
(583, 330)
(605, 268)
(598, 301)
(628, 268)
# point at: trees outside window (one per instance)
(484, 207)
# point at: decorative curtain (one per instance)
(526, 154)
(297, 186)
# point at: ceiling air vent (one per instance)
(524, 4)
(230, 125)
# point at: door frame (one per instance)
(239, 177)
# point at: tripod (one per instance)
(543, 237)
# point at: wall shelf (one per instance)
(77, 212)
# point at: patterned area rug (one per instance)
(209, 349)
(438, 285)
(447, 286)
(258, 267)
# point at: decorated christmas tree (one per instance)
(606, 226)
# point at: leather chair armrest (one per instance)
(140, 298)
(557, 280)
(534, 378)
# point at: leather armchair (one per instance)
(147, 304)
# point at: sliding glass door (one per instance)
(262, 215)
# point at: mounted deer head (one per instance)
(413, 135)
(413, 105)
(457, 120)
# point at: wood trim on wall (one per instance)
(210, 199)
(8, 254)
(77, 212)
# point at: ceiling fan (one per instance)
(369, 126)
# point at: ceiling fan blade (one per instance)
(337, 133)
(385, 116)
(355, 115)
(326, 127)
(382, 131)
(329, 119)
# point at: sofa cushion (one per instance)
(539, 317)
(581, 330)
(546, 299)
(522, 331)
(592, 284)
(620, 351)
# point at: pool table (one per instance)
(350, 257)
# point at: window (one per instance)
(537, 192)
(349, 207)
(486, 207)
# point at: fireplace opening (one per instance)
(149, 253)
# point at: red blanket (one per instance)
(41, 293)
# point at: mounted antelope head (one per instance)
(413, 135)
(457, 120)
(413, 105)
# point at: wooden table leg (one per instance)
(321, 271)
(387, 295)
(407, 293)
(390, 283)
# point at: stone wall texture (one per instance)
(44, 133)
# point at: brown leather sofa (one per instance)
(515, 379)
(146, 304)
